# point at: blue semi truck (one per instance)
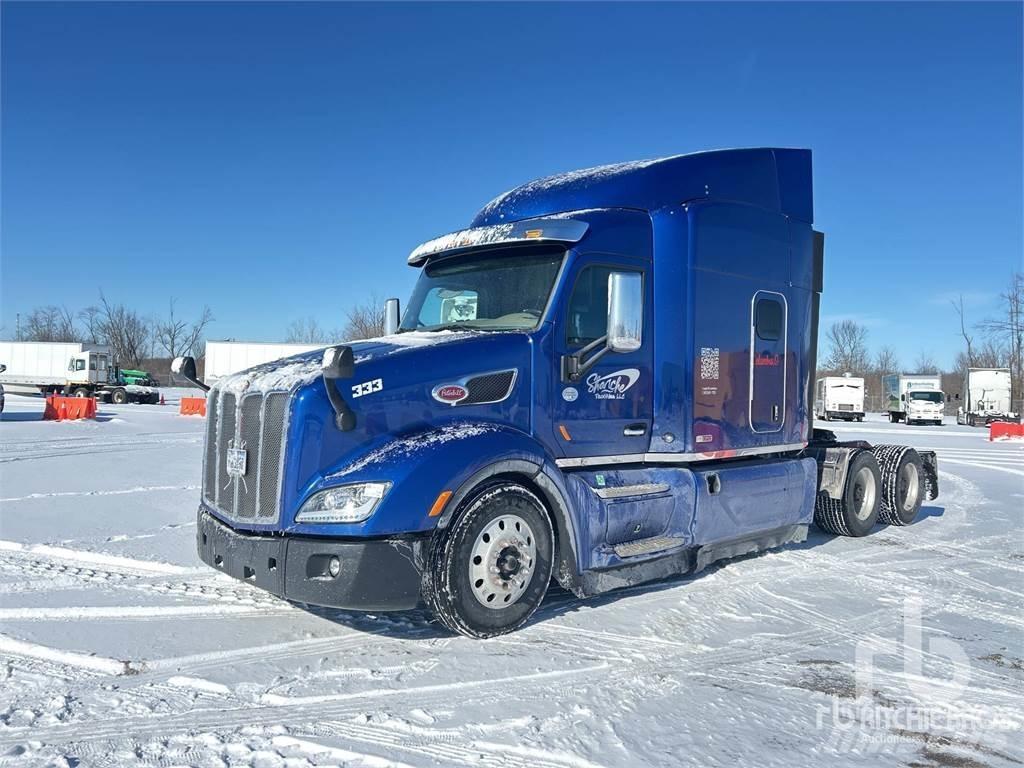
(604, 381)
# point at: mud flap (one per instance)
(931, 473)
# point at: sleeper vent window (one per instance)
(768, 319)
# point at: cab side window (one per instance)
(588, 307)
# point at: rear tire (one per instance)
(489, 570)
(902, 483)
(856, 513)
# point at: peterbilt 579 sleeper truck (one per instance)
(605, 380)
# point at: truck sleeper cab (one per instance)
(604, 381)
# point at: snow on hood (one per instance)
(405, 448)
(306, 367)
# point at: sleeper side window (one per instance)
(768, 316)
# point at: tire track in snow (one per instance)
(118, 492)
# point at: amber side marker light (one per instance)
(534, 233)
(565, 432)
(439, 502)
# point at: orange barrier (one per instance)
(1004, 429)
(193, 406)
(60, 408)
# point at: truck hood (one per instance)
(395, 392)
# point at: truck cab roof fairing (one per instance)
(775, 179)
(543, 230)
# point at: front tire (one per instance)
(489, 570)
(81, 392)
(119, 397)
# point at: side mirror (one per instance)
(903, 398)
(2, 367)
(339, 363)
(624, 330)
(391, 316)
(186, 368)
(625, 311)
(957, 396)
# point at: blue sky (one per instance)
(279, 161)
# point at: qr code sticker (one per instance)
(709, 363)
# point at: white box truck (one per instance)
(68, 368)
(224, 358)
(985, 397)
(914, 398)
(839, 397)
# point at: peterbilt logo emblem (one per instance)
(612, 386)
(450, 393)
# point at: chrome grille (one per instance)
(210, 456)
(256, 423)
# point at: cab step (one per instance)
(647, 546)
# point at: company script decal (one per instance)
(612, 386)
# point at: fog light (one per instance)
(334, 567)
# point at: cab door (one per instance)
(607, 411)
(768, 325)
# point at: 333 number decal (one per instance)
(358, 390)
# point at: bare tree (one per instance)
(925, 363)
(126, 331)
(848, 347)
(49, 323)
(958, 305)
(365, 321)
(92, 319)
(886, 361)
(176, 336)
(1007, 330)
(306, 331)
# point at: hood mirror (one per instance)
(339, 363)
(186, 368)
(392, 316)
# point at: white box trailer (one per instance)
(839, 397)
(985, 397)
(69, 368)
(914, 397)
(226, 357)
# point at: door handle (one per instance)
(635, 430)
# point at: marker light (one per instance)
(344, 504)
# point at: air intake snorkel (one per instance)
(339, 363)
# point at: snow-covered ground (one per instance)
(119, 648)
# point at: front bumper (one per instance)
(376, 574)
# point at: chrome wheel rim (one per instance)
(909, 486)
(864, 493)
(501, 562)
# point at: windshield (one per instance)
(930, 397)
(492, 291)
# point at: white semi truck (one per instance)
(985, 397)
(839, 397)
(224, 358)
(914, 398)
(68, 368)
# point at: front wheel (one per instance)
(119, 397)
(81, 392)
(489, 570)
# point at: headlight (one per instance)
(344, 504)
